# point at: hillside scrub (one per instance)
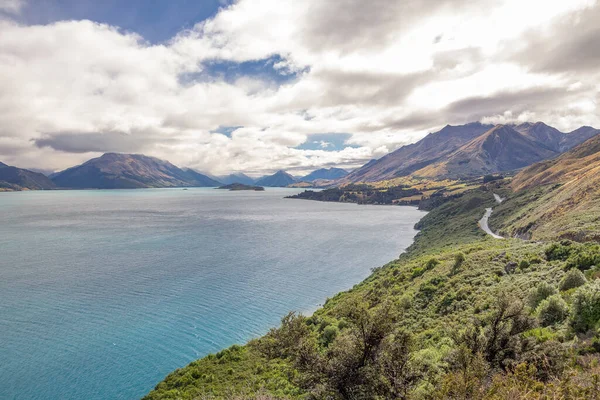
(574, 278)
(445, 320)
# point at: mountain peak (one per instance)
(278, 179)
(122, 171)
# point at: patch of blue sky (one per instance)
(226, 130)
(156, 21)
(229, 71)
(327, 142)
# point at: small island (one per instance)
(241, 186)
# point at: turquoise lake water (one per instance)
(103, 293)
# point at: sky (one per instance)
(262, 85)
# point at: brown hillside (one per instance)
(500, 149)
(560, 197)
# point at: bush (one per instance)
(541, 334)
(329, 334)
(584, 259)
(552, 310)
(574, 278)
(459, 259)
(429, 265)
(524, 264)
(585, 311)
(539, 293)
(558, 251)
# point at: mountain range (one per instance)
(473, 149)
(454, 152)
(13, 178)
(129, 171)
(235, 178)
(325, 174)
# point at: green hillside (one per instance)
(459, 316)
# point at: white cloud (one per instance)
(12, 6)
(386, 72)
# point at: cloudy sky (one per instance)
(261, 85)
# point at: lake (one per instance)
(104, 292)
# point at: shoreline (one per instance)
(390, 234)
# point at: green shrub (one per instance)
(329, 334)
(539, 293)
(524, 264)
(558, 251)
(584, 258)
(459, 259)
(585, 311)
(574, 278)
(541, 334)
(552, 310)
(535, 260)
(429, 265)
(428, 289)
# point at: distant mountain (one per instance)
(500, 149)
(17, 179)
(547, 136)
(202, 180)
(554, 139)
(412, 157)
(278, 179)
(325, 173)
(578, 136)
(236, 178)
(128, 171)
(462, 151)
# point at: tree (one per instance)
(397, 367)
(498, 337)
(465, 381)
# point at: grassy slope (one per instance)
(436, 300)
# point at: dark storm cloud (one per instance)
(475, 108)
(74, 142)
(413, 121)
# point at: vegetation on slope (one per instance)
(424, 193)
(556, 199)
(241, 186)
(461, 315)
